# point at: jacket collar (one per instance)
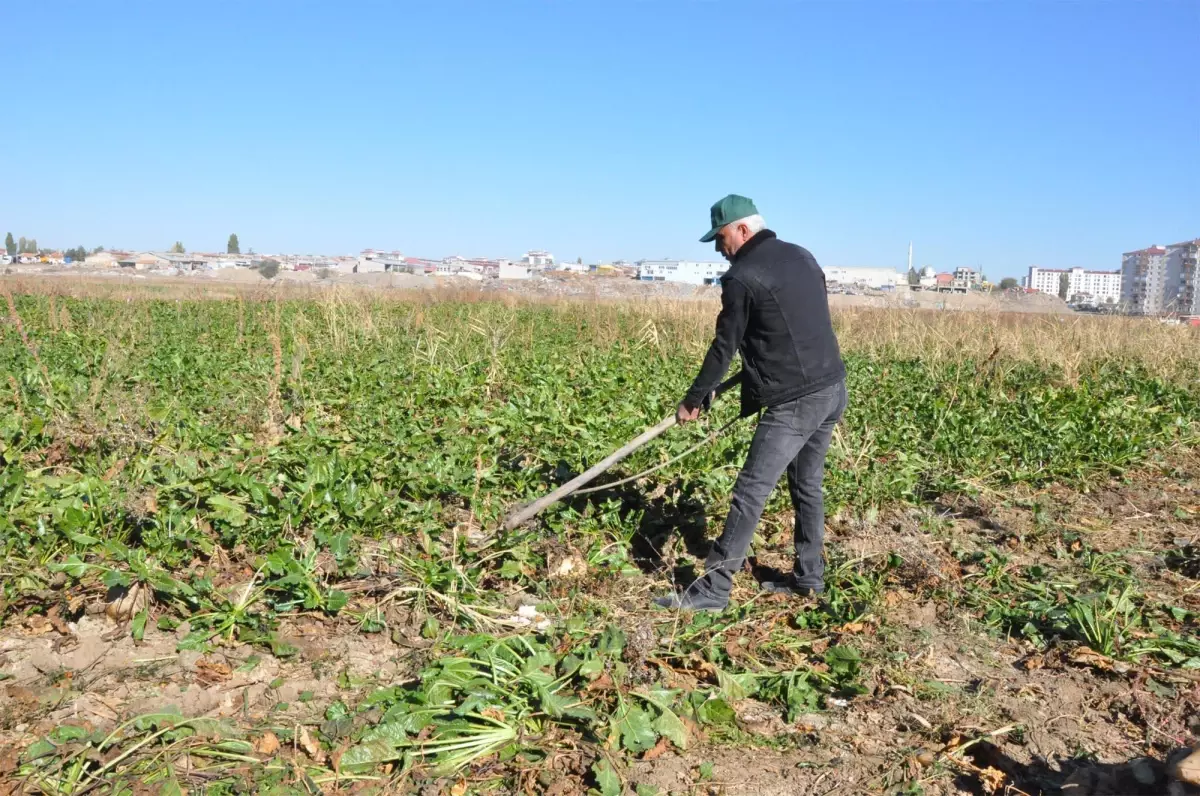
(759, 237)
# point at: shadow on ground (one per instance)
(1073, 777)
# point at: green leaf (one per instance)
(228, 510)
(138, 626)
(843, 661)
(612, 641)
(367, 755)
(671, 727)
(195, 641)
(113, 578)
(715, 711)
(735, 686)
(648, 790)
(66, 732)
(431, 627)
(336, 601)
(73, 566)
(250, 664)
(591, 667)
(168, 717)
(40, 749)
(82, 538)
(606, 778)
(637, 731)
(282, 649)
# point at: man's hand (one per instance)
(685, 415)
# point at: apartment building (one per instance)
(694, 273)
(1096, 287)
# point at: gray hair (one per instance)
(754, 223)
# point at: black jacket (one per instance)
(774, 310)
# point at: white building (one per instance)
(509, 270)
(576, 268)
(877, 278)
(536, 258)
(693, 273)
(1095, 287)
(967, 276)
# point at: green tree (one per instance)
(232, 246)
(10, 245)
(1008, 283)
(914, 278)
(1064, 285)
(22, 245)
(269, 268)
(33, 247)
(178, 248)
(97, 250)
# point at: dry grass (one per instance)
(353, 315)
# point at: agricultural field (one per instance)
(253, 544)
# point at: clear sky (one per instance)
(1000, 134)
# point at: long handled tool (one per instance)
(525, 512)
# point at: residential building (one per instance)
(877, 278)
(967, 277)
(1149, 283)
(1083, 286)
(507, 270)
(693, 273)
(536, 258)
(1185, 257)
(577, 268)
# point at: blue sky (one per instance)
(1000, 134)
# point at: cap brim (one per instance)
(712, 235)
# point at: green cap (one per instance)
(730, 209)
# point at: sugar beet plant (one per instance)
(227, 463)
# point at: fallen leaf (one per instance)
(602, 683)
(991, 779)
(1086, 656)
(268, 744)
(9, 757)
(57, 622)
(115, 470)
(311, 747)
(209, 672)
(458, 788)
(659, 749)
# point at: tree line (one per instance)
(24, 245)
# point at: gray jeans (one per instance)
(791, 437)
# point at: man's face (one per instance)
(730, 239)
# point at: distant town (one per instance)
(1160, 281)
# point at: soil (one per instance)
(949, 706)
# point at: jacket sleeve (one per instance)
(731, 325)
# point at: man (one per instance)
(774, 311)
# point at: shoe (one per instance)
(691, 602)
(790, 588)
